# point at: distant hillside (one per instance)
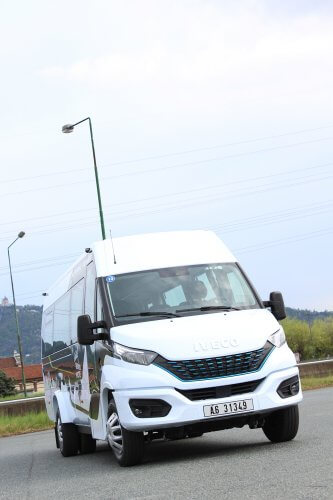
(307, 315)
(30, 318)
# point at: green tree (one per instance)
(299, 336)
(7, 385)
(313, 340)
(322, 331)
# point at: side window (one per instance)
(76, 294)
(89, 302)
(47, 332)
(61, 333)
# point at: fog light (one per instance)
(289, 387)
(294, 388)
(149, 408)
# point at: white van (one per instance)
(162, 336)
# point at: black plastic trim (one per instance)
(223, 391)
(286, 390)
(149, 408)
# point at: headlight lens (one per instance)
(278, 338)
(137, 356)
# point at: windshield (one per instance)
(179, 291)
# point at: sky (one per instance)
(206, 115)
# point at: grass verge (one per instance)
(317, 382)
(21, 396)
(21, 424)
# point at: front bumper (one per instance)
(185, 412)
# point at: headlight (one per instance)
(278, 338)
(137, 356)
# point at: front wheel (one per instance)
(127, 446)
(282, 425)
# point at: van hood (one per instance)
(200, 336)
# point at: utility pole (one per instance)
(20, 235)
(67, 129)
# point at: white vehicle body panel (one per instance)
(190, 337)
(158, 250)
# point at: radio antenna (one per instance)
(114, 255)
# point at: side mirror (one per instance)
(85, 327)
(276, 304)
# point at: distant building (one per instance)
(7, 363)
(33, 373)
(5, 302)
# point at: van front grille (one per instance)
(221, 366)
(223, 391)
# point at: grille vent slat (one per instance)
(223, 391)
(221, 366)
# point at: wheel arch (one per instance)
(63, 404)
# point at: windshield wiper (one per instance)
(149, 313)
(210, 308)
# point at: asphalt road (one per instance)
(226, 464)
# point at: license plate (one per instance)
(221, 409)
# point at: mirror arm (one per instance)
(99, 324)
(267, 303)
(101, 336)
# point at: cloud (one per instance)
(216, 49)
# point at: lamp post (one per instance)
(20, 235)
(67, 129)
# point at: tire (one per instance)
(56, 435)
(127, 446)
(87, 444)
(67, 437)
(282, 425)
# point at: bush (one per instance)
(313, 340)
(7, 385)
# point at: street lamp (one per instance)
(20, 235)
(67, 129)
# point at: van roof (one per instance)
(158, 250)
(145, 251)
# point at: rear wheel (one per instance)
(282, 425)
(87, 444)
(67, 437)
(127, 446)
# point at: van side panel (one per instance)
(60, 354)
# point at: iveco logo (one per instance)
(208, 345)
